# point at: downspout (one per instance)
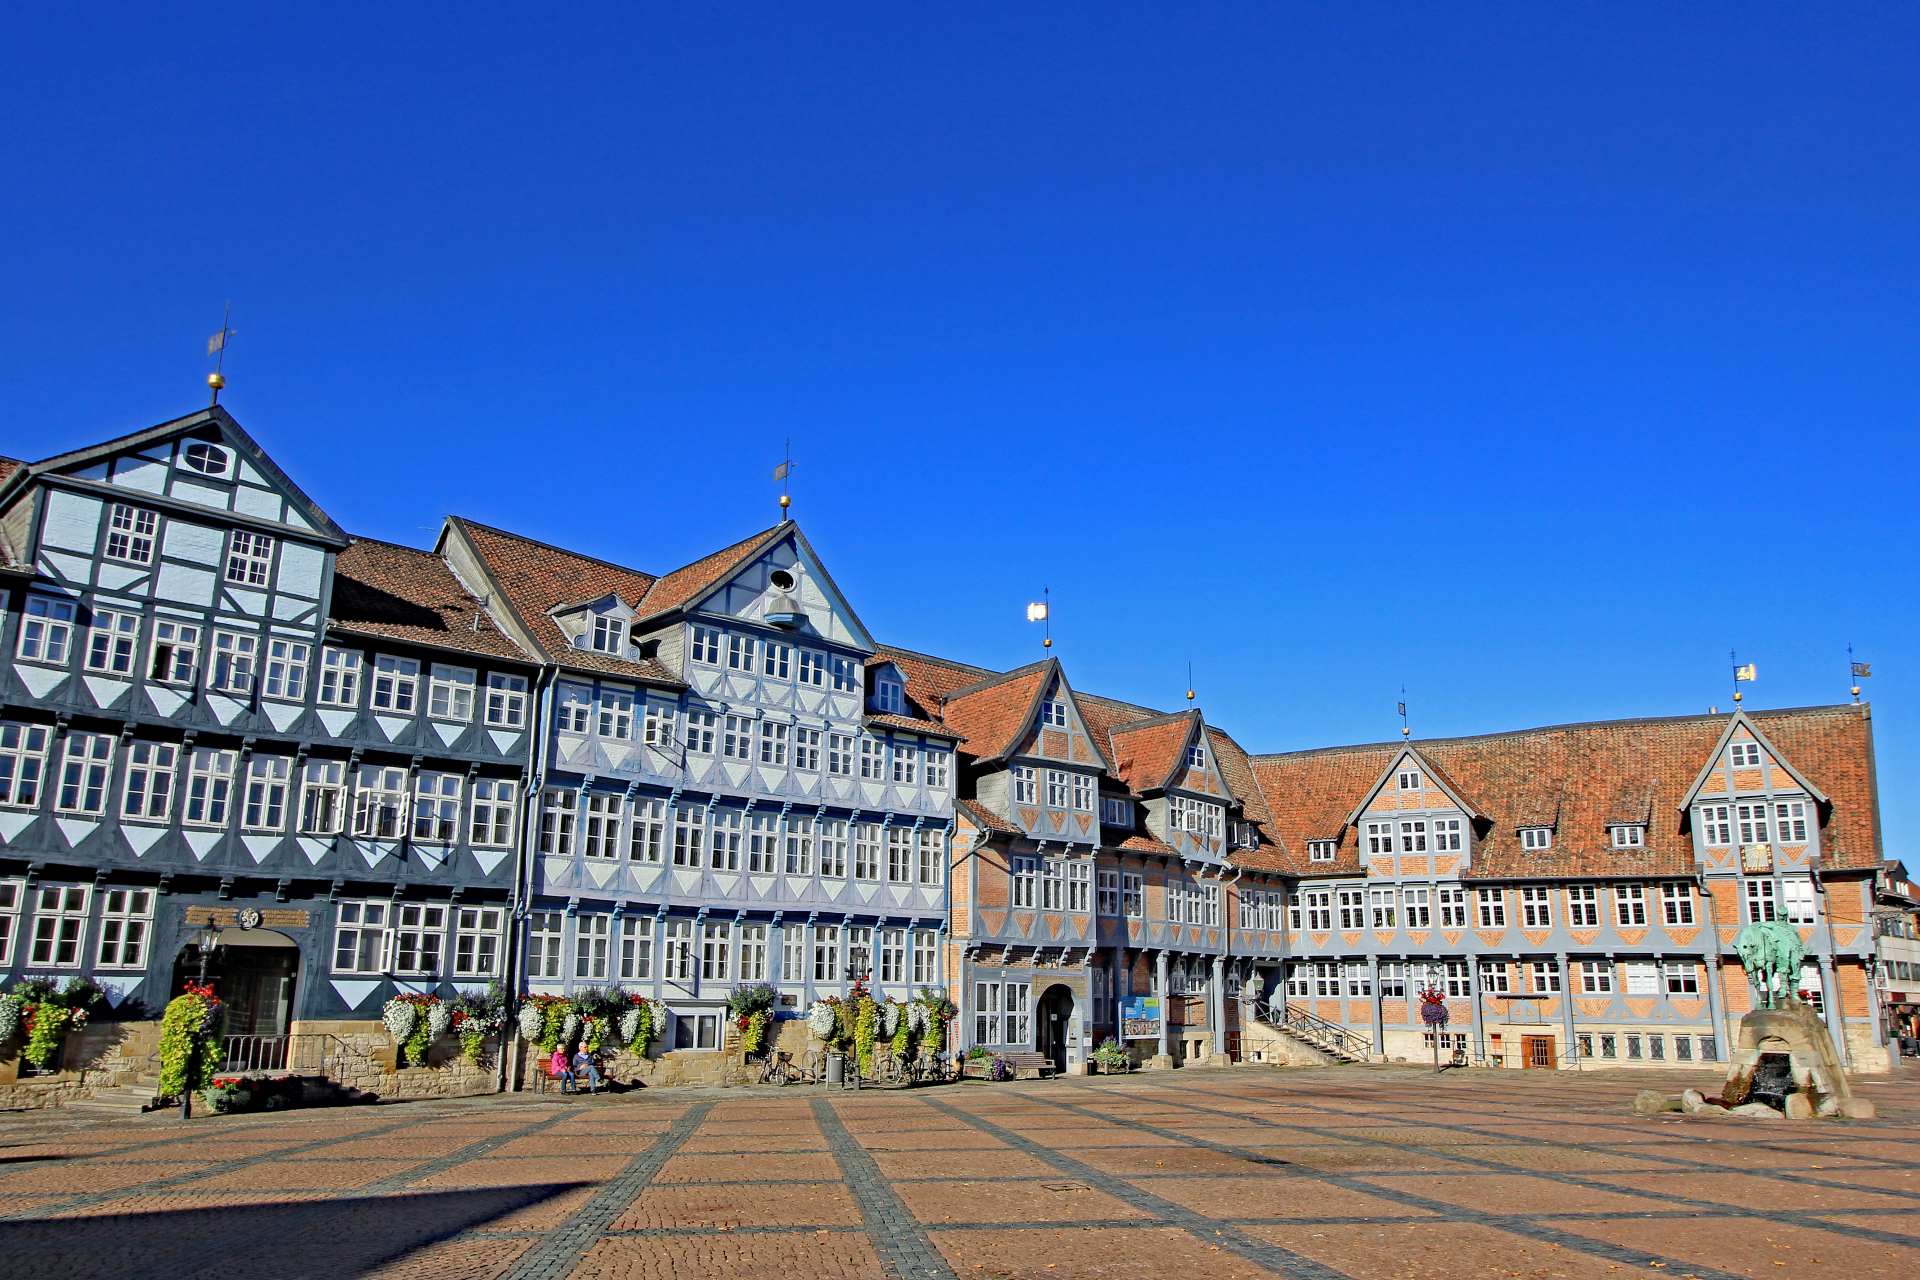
(522, 891)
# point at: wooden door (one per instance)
(1537, 1051)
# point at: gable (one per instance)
(204, 462)
(786, 581)
(1433, 791)
(1072, 742)
(1205, 779)
(1743, 762)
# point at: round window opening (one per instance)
(781, 579)
(207, 459)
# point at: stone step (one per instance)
(126, 1100)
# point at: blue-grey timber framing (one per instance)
(376, 769)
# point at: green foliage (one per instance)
(473, 1041)
(228, 1095)
(553, 1028)
(592, 1032)
(187, 1029)
(753, 1036)
(976, 1053)
(902, 1037)
(421, 1040)
(744, 1002)
(1110, 1055)
(46, 1032)
(866, 1026)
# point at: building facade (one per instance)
(217, 709)
(377, 769)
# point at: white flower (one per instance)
(400, 1018)
(9, 1017)
(889, 1019)
(439, 1019)
(630, 1024)
(917, 1018)
(820, 1019)
(532, 1019)
(570, 1029)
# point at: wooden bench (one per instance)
(1026, 1065)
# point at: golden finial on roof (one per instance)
(217, 346)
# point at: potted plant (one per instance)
(1109, 1058)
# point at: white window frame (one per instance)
(46, 630)
(131, 533)
(59, 935)
(451, 693)
(506, 700)
(396, 684)
(113, 639)
(249, 558)
(126, 927)
(340, 675)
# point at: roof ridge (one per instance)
(1554, 728)
(954, 663)
(981, 686)
(471, 523)
(1152, 721)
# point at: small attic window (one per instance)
(1746, 755)
(1321, 850)
(1536, 837)
(207, 459)
(1409, 779)
(888, 696)
(1053, 712)
(1629, 835)
(609, 634)
(1116, 811)
(783, 580)
(1197, 756)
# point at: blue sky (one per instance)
(1531, 356)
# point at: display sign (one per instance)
(1140, 1018)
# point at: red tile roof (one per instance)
(985, 818)
(688, 583)
(989, 715)
(1146, 753)
(1578, 778)
(914, 724)
(8, 466)
(534, 577)
(401, 593)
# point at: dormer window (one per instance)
(207, 459)
(1321, 850)
(1409, 779)
(888, 696)
(1629, 836)
(1197, 756)
(1053, 713)
(1746, 755)
(1116, 811)
(1536, 837)
(609, 634)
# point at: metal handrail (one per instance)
(1326, 1035)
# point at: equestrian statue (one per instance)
(1771, 952)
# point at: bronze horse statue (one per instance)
(1771, 952)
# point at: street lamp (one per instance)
(209, 939)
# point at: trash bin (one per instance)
(836, 1068)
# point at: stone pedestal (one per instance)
(1798, 1033)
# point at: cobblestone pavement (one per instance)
(1361, 1172)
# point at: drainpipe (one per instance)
(521, 894)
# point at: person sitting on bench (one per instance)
(584, 1069)
(561, 1071)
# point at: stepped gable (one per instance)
(1579, 779)
(536, 577)
(384, 590)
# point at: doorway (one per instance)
(253, 973)
(1053, 1026)
(1537, 1052)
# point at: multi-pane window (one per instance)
(1676, 903)
(740, 651)
(706, 646)
(763, 843)
(1746, 755)
(148, 796)
(616, 715)
(702, 727)
(609, 634)
(111, 642)
(1379, 837)
(1493, 908)
(340, 677)
(436, 807)
(380, 802)
(545, 936)
(678, 961)
(59, 926)
(813, 667)
(1057, 789)
(126, 917)
(793, 953)
(1023, 784)
(736, 737)
(1596, 977)
(773, 743)
(1629, 836)
(1321, 850)
(1319, 909)
(776, 659)
(176, 652)
(657, 725)
(130, 533)
(727, 835)
(1053, 712)
(888, 696)
(1082, 792)
(1536, 837)
(925, 958)
(264, 807)
(833, 848)
(1453, 906)
(494, 800)
(286, 669)
(1536, 907)
(395, 681)
(1414, 900)
(753, 953)
(806, 749)
(1413, 835)
(450, 693)
(1752, 819)
(573, 709)
(636, 950)
(689, 835)
(249, 558)
(1352, 915)
(1459, 978)
(647, 834)
(323, 797)
(866, 851)
(826, 953)
(419, 934)
(1683, 978)
(716, 951)
(986, 1013)
(1716, 824)
(906, 764)
(1449, 834)
(1643, 978)
(799, 846)
(1797, 894)
(506, 700)
(1495, 978)
(592, 938)
(939, 765)
(84, 769)
(840, 754)
(859, 952)
(1790, 821)
(1760, 901)
(1107, 895)
(932, 868)
(1384, 908)
(360, 937)
(46, 630)
(843, 672)
(1583, 906)
(1393, 979)
(1133, 898)
(900, 855)
(1546, 976)
(1116, 811)
(235, 655)
(476, 942)
(1630, 905)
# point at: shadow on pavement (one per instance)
(352, 1236)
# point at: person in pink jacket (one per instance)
(561, 1069)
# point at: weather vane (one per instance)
(217, 346)
(781, 473)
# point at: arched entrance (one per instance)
(1053, 1026)
(253, 971)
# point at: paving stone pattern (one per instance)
(1371, 1173)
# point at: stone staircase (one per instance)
(1297, 1038)
(121, 1100)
